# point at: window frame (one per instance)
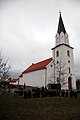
(68, 53)
(57, 53)
(69, 70)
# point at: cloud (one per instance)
(28, 29)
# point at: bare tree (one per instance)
(4, 67)
(61, 73)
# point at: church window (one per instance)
(69, 70)
(57, 53)
(68, 53)
(68, 61)
(57, 61)
(51, 65)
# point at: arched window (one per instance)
(68, 53)
(51, 65)
(68, 61)
(57, 53)
(69, 70)
(57, 61)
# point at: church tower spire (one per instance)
(61, 36)
(61, 27)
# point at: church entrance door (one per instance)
(69, 83)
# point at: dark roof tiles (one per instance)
(61, 27)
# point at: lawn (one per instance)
(49, 108)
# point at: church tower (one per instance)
(63, 58)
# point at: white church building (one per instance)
(56, 70)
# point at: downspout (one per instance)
(54, 66)
(45, 76)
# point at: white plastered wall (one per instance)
(35, 78)
(65, 62)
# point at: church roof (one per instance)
(61, 27)
(61, 45)
(38, 66)
(13, 80)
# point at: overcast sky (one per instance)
(28, 29)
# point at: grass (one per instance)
(50, 108)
